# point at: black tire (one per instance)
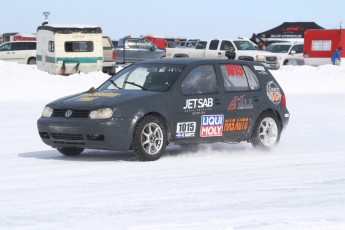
(32, 61)
(149, 139)
(267, 131)
(70, 151)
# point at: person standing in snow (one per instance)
(336, 56)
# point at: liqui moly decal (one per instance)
(211, 125)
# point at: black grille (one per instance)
(75, 113)
(271, 59)
(64, 136)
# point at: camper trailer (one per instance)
(319, 45)
(68, 49)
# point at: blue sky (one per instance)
(174, 18)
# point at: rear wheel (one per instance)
(32, 61)
(150, 138)
(266, 132)
(70, 151)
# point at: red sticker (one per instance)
(234, 70)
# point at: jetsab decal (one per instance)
(236, 124)
(240, 102)
(185, 129)
(211, 125)
(273, 92)
(198, 106)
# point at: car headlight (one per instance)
(259, 58)
(47, 112)
(103, 113)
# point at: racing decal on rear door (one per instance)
(240, 102)
(211, 125)
(185, 129)
(236, 124)
(273, 92)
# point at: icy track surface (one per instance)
(299, 185)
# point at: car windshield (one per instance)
(150, 77)
(274, 48)
(244, 45)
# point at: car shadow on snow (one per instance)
(108, 155)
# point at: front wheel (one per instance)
(266, 132)
(70, 151)
(150, 138)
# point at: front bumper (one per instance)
(110, 134)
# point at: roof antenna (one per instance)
(46, 14)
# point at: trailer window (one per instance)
(51, 46)
(321, 45)
(79, 46)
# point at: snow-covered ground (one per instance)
(300, 185)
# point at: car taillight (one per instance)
(114, 54)
(283, 101)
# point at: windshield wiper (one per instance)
(135, 84)
(114, 84)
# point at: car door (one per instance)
(198, 107)
(19, 52)
(241, 99)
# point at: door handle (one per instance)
(217, 101)
(219, 53)
(256, 98)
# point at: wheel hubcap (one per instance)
(152, 138)
(268, 132)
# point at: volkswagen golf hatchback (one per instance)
(152, 104)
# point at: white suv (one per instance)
(288, 53)
(23, 52)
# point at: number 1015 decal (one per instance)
(185, 129)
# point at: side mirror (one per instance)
(152, 48)
(293, 52)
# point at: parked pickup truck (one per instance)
(244, 49)
(131, 50)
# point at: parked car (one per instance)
(244, 49)
(131, 50)
(151, 104)
(23, 52)
(109, 56)
(288, 53)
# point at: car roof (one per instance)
(188, 61)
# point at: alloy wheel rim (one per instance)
(152, 138)
(268, 132)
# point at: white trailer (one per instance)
(68, 49)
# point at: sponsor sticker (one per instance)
(236, 124)
(198, 106)
(240, 102)
(211, 125)
(185, 129)
(259, 68)
(273, 92)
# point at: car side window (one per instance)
(18, 46)
(234, 77)
(226, 45)
(5, 47)
(214, 44)
(200, 80)
(253, 81)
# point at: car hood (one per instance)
(100, 99)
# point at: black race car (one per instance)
(151, 104)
